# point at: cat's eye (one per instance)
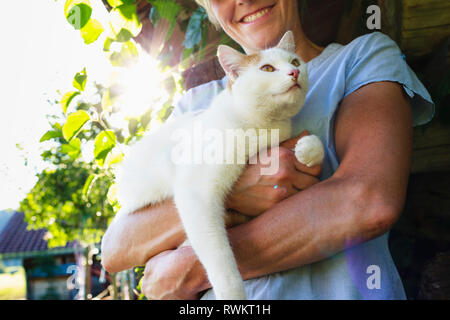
(295, 63)
(267, 68)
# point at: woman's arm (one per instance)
(361, 201)
(133, 239)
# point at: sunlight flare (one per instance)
(141, 86)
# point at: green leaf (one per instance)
(107, 100)
(67, 99)
(72, 149)
(69, 4)
(186, 56)
(165, 112)
(154, 16)
(116, 3)
(75, 122)
(111, 196)
(204, 42)
(132, 126)
(104, 143)
(146, 118)
(114, 158)
(130, 49)
(124, 17)
(109, 97)
(88, 184)
(79, 81)
(119, 136)
(107, 44)
(127, 55)
(194, 29)
(91, 31)
(123, 36)
(167, 9)
(169, 84)
(51, 134)
(77, 13)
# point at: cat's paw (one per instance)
(309, 150)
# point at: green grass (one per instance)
(12, 283)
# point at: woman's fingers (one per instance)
(303, 181)
(290, 144)
(313, 171)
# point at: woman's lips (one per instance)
(252, 17)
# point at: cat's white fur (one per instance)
(256, 99)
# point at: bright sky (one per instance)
(40, 53)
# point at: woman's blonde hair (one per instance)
(206, 4)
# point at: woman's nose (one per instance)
(294, 74)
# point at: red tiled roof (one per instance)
(16, 238)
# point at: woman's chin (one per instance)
(263, 36)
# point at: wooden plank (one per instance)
(425, 10)
(202, 73)
(431, 136)
(415, 4)
(431, 160)
(431, 148)
(427, 207)
(421, 42)
(436, 18)
(417, 26)
(391, 19)
(440, 32)
(424, 14)
(425, 24)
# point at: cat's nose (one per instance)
(294, 74)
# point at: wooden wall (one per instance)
(425, 24)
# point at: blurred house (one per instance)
(50, 273)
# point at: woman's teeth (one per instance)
(256, 15)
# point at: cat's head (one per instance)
(271, 84)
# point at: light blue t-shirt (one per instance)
(335, 73)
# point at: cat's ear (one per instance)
(231, 60)
(287, 42)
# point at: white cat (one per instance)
(264, 91)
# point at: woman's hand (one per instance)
(158, 228)
(174, 275)
(254, 193)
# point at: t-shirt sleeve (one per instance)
(378, 58)
(199, 98)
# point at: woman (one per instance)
(328, 241)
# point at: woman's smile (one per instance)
(257, 24)
(257, 15)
